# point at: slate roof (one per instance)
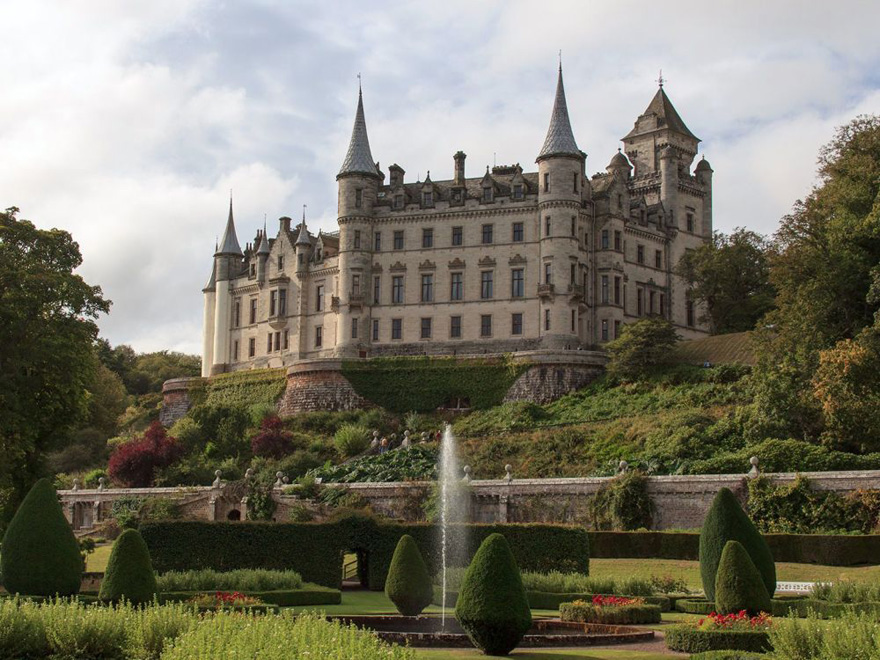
(560, 139)
(666, 114)
(229, 242)
(359, 159)
(473, 187)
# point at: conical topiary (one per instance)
(492, 605)
(738, 585)
(408, 584)
(129, 573)
(41, 556)
(726, 521)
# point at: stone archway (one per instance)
(233, 515)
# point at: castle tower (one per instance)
(227, 263)
(210, 302)
(262, 256)
(358, 182)
(561, 184)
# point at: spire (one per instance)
(359, 159)
(560, 139)
(229, 242)
(263, 248)
(303, 237)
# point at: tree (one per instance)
(47, 328)
(731, 277)
(273, 441)
(134, 464)
(408, 584)
(642, 345)
(738, 584)
(129, 575)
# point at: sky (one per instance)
(128, 123)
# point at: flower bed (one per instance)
(311, 594)
(611, 610)
(224, 600)
(735, 632)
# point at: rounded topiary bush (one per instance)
(408, 584)
(726, 521)
(738, 585)
(129, 575)
(492, 605)
(40, 553)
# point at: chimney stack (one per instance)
(459, 168)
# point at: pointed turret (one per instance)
(560, 138)
(229, 243)
(359, 159)
(302, 238)
(263, 248)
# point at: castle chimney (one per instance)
(459, 168)
(396, 172)
(285, 223)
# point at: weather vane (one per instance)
(661, 80)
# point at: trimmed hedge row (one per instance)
(545, 600)
(315, 550)
(313, 595)
(688, 639)
(784, 607)
(615, 615)
(829, 550)
(728, 655)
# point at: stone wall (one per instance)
(318, 385)
(556, 374)
(176, 400)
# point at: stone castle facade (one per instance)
(506, 261)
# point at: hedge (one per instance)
(612, 615)
(315, 550)
(826, 549)
(423, 384)
(689, 639)
(799, 607)
(311, 595)
(246, 388)
(545, 600)
(728, 655)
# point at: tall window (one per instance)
(455, 286)
(487, 234)
(572, 275)
(377, 241)
(574, 227)
(428, 198)
(282, 302)
(455, 327)
(616, 290)
(640, 254)
(547, 226)
(616, 329)
(488, 194)
(575, 182)
(235, 351)
(617, 241)
(427, 288)
(319, 298)
(398, 201)
(486, 284)
(517, 232)
(546, 182)
(605, 289)
(286, 339)
(689, 307)
(377, 289)
(485, 325)
(573, 321)
(273, 302)
(427, 238)
(516, 324)
(269, 343)
(426, 328)
(354, 328)
(355, 285)
(319, 336)
(396, 328)
(252, 346)
(357, 239)
(517, 283)
(690, 222)
(375, 329)
(658, 259)
(397, 289)
(604, 330)
(236, 322)
(640, 302)
(398, 239)
(548, 273)
(546, 319)
(604, 239)
(253, 311)
(280, 262)
(358, 198)
(652, 298)
(457, 236)
(517, 191)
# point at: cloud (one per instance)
(127, 124)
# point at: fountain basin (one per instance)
(425, 631)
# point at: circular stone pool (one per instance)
(425, 631)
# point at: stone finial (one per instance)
(217, 481)
(467, 473)
(375, 434)
(755, 471)
(249, 474)
(508, 469)
(101, 483)
(407, 443)
(374, 443)
(285, 480)
(279, 479)
(622, 467)
(76, 484)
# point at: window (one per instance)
(604, 239)
(357, 239)
(486, 284)
(354, 328)
(397, 289)
(651, 303)
(487, 234)
(620, 201)
(252, 346)
(455, 327)
(517, 283)
(658, 259)
(573, 321)
(457, 236)
(546, 320)
(398, 201)
(547, 226)
(426, 328)
(282, 302)
(319, 336)
(517, 232)
(355, 285)
(319, 298)
(516, 324)
(616, 329)
(546, 182)
(398, 239)
(488, 194)
(396, 328)
(455, 286)
(299, 258)
(278, 341)
(236, 316)
(235, 351)
(253, 311)
(269, 343)
(358, 198)
(253, 270)
(273, 302)
(428, 198)
(575, 182)
(427, 288)
(604, 330)
(640, 254)
(605, 289)
(616, 290)
(690, 222)
(376, 289)
(640, 302)
(485, 325)
(375, 329)
(574, 226)
(617, 241)
(572, 276)
(689, 307)
(280, 262)
(517, 191)
(662, 304)
(377, 241)
(427, 238)
(548, 273)
(286, 339)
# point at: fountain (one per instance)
(453, 508)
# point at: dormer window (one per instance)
(487, 194)
(280, 262)
(398, 201)
(427, 198)
(518, 191)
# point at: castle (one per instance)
(507, 261)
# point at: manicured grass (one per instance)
(542, 654)
(97, 561)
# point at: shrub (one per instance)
(610, 610)
(692, 639)
(129, 575)
(134, 464)
(248, 580)
(492, 605)
(642, 345)
(726, 521)
(273, 441)
(852, 635)
(351, 439)
(408, 584)
(623, 503)
(738, 585)
(728, 655)
(40, 556)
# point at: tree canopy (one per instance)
(642, 345)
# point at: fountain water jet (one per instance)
(453, 508)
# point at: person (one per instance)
(383, 445)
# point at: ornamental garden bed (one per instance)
(544, 600)
(799, 607)
(733, 632)
(610, 610)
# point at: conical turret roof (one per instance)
(263, 248)
(359, 159)
(666, 116)
(560, 138)
(229, 242)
